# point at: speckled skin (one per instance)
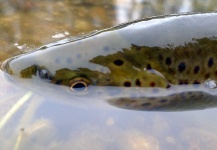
(153, 52)
(176, 49)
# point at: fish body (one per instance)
(176, 49)
(157, 52)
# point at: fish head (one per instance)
(109, 71)
(76, 66)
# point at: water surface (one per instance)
(45, 117)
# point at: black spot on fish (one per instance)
(216, 73)
(69, 60)
(58, 82)
(196, 69)
(196, 82)
(152, 84)
(181, 67)
(207, 76)
(163, 101)
(185, 81)
(127, 84)
(149, 66)
(168, 61)
(146, 104)
(181, 82)
(168, 86)
(138, 83)
(210, 62)
(118, 62)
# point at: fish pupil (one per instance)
(79, 85)
(43, 74)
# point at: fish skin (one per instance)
(154, 52)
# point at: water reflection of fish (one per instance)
(154, 52)
(188, 100)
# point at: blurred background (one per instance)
(28, 24)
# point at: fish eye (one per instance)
(43, 73)
(79, 85)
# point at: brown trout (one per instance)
(157, 52)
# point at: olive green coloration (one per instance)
(159, 52)
(144, 66)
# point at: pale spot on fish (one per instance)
(78, 56)
(57, 61)
(106, 48)
(69, 60)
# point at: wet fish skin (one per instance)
(153, 52)
(158, 52)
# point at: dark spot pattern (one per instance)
(118, 62)
(196, 69)
(58, 82)
(181, 67)
(146, 104)
(149, 66)
(207, 76)
(138, 83)
(168, 61)
(210, 62)
(127, 84)
(168, 86)
(180, 82)
(183, 82)
(152, 84)
(196, 82)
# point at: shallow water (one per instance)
(51, 122)
(39, 117)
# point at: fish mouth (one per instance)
(6, 67)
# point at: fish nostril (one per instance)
(5, 66)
